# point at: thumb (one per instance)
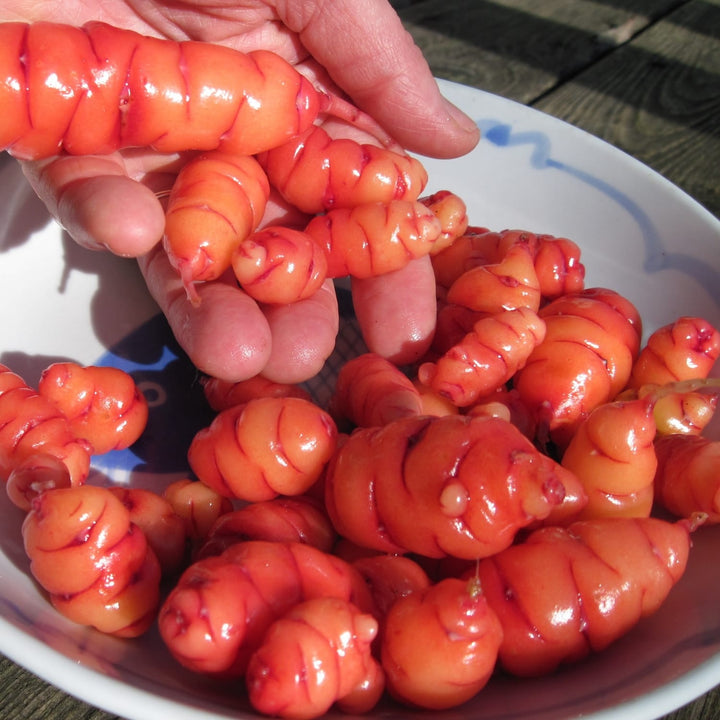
(369, 54)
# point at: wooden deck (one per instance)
(642, 74)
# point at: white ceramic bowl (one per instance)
(639, 235)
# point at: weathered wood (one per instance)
(23, 696)
(521, 49)
(706, 707)
(658, 98)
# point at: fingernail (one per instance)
(463, 121)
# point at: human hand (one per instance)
(110, 201)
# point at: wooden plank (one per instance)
(521, 48)
(25, 696)
(658, 98)
(704, 708)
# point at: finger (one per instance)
(97, 203)
(303, 336)
(397, 311)
(368, 53)
(225, 336)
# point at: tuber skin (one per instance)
(102, 404)
(282, 519)
(451, 485)
(613, 455)
(267, 447)
(566, 592)
(221, 606)
(440, 645)
(687, 479)
(685, 349)
(38, 447)
(317, 654)
(95, 564)
(371, 391)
